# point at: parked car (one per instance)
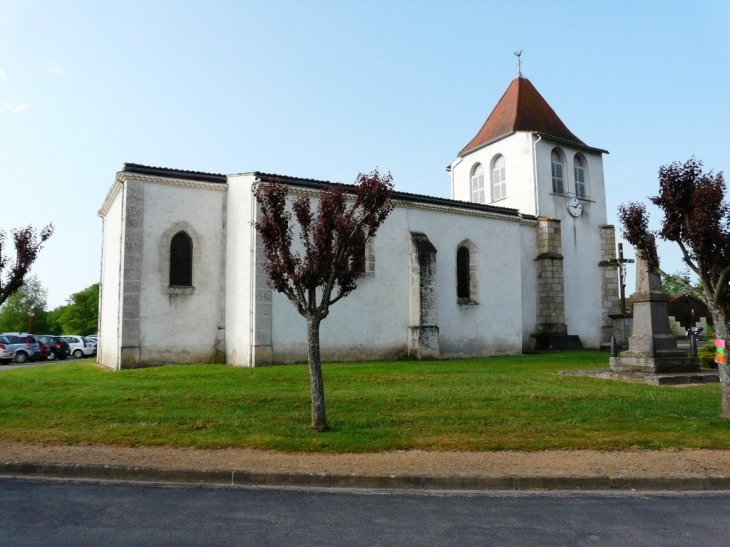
(79, 347)
(58, 346)
(45, 350)
(92, 342)
(26, 346)
(7, 351)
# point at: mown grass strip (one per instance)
(498, 403)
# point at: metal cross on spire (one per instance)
(519, 63)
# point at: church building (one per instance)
(516, 260)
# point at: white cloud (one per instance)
(3, 76)
(15, 107)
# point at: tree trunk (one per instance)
(319, 417)
(722, 332)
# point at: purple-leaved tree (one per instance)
(333, 242)
(27, 243)
(697, 218)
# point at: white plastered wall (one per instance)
(528, 253)
(239, 275)
(581, 243)
(372, 323)
(109, 301)
(519, 172)
(181, 327)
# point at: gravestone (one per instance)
(652, 346)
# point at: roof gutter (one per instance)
(464, 153)
(572, 143)
(401, 196)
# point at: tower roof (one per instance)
(522, 108)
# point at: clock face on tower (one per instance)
(575, 207)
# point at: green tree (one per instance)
(81, 315)
(30, 297)
(54, 325)
(679, 283)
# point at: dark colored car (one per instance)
(58, 346)
(45, 350)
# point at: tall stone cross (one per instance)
(620, 263)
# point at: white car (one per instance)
(79, 346)
(92, 340)
(7, 351)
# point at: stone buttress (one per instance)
(423, 331)
(610, 301)
(551, 331)
(131, 274)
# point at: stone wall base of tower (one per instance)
(555, 342)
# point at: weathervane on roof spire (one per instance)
(519, 63)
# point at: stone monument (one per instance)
(652, 346)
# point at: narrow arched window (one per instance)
(557, 168)
(181, 260)
(358, 256)
(580, 178)
(477, 184)
(499, 180)
(462, 273)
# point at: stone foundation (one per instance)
(663, 364)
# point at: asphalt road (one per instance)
(47, 512)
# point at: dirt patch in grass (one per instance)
(633, 463)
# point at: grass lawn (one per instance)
(473, 404)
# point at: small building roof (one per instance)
(174, 173)
(522, 108)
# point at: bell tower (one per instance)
(524, 157)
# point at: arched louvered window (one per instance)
(477, 184)
(557, 169)
(181, 260)
(499, 180)
(580, 177)
(462, 273)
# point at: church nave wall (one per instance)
(376, 321)
(180, 324)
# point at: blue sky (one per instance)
(327, 89)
